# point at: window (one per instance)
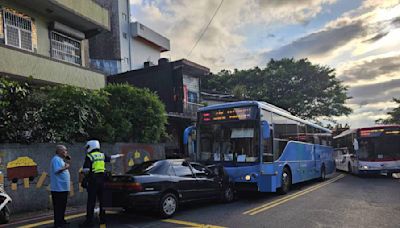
(65, 48)
(182, 170)
(124, 17)
(200, 171)
(125, 35)
(18, 31)
(192, 97)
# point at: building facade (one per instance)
(47, 41)
(178, 86)
(128, 45)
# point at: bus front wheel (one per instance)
(286, 180)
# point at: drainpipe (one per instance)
(129, 34)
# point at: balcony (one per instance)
(24, 64)
(83, 15)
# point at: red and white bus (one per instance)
(369, 150)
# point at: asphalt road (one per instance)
(341, 201)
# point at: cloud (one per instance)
(319, 43)
(183, 21)
(375, 93)
(371, 69)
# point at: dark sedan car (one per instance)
(165, 184)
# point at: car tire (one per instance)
(323, 174)
(168, 205)
(286, 180)
(228, 195)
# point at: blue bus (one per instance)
(262, 147)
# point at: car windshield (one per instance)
(150, 167)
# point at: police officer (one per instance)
(94, 169)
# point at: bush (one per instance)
(135, 115)
(117, 113)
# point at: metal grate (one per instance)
(18, 31)
(65, 48)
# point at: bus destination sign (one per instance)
(379, 132)
(242, 113)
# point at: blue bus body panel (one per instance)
(304, 161)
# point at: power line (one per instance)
(205, 29)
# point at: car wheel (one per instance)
(286, 180)
(228, 195)
(349, 169)
(323, 174)
(168, 205)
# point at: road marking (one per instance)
(289, 197)
(191, 224)
(51, 221)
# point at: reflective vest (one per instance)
(97, 158)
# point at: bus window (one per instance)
(268, 155)
(301, 128)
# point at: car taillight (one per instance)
(133, 186)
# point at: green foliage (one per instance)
(19, 112)
(394, 115)
(302, 88)
(117, 113)
(71, 113)
(134, 114)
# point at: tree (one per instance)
(135, 115)
(20, 111)
(302, 88)
(394, 115)
(71, 113)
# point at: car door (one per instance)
(185, 181)
(209, 184)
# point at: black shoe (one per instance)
(66, 223)
(86, 224)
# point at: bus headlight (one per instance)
(247, 177)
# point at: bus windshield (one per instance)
(379, 148)
(229, 142)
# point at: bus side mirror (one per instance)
(265, 129)
(355, 144)
(187, 133)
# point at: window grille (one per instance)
(65, 48)
(18, 31)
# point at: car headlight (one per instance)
(364, 167)
(247, 177)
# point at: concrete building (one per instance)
(128, 45)
(178, 86)
(46, 40)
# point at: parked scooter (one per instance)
(4, 210)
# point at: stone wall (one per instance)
(25, 170)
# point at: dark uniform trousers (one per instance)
(95, 190)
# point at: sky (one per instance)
(360, 39)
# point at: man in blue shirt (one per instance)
(59, 184)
